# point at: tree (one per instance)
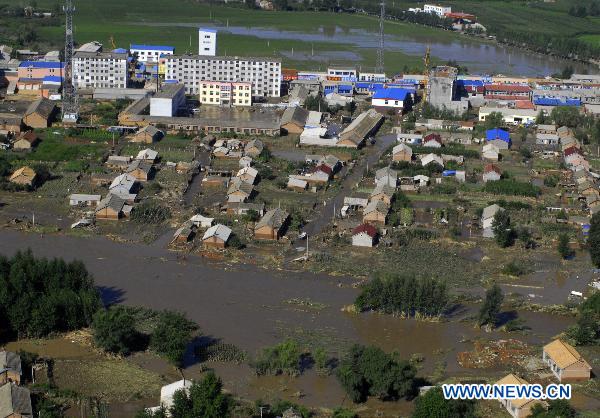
(344, 413)
(494, 120)
(594, 239)
(563, 247)
(586, 330)
(171, 336)
(145, 413)
(279, 359)
(490, 309)
(433, 404)
(39, 296)
(503, 233)
(559, 408)
(251, 216)
(114, 330)
(541, 118)
(369, 371)
(204, 399)
(566, 116)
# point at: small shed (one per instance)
(216, 236)
(147, 135)
(26, 141)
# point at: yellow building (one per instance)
(225, 93)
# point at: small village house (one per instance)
(383, 192)
(24, 176)
(201, 221)
(499, 137)
(517, 408)
(39, 114)
(26, 141)
(118, 162)
(387, 176)
(247, 174)
(365, 125)
(185, 233)
(111, 208)
(147, 135)
(432, 140)
(402, 152)
(490, 152)
(491, 172)
(297, 184)
(10, 367)
(293, 120)
(216, 236)
(565, 362)
(84, 199)
(147, 155)
(432, 159)
(15, 401)
(141, 170)
(254, 148)
(376, 212)
(364, 235)
(239, 190)
(487, 219)
(272, 225)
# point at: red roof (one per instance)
(460, 15)
(510, 88)
(324, 168)
(492, 167)
(370, 230)
(432, 137)
(524, 104)
(572, 150)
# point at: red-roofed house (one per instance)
(491, 172)
(364, 235)
(432, 141)
(507, 92)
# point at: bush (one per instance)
(171, 336)
(551, 181)
(150, 212)
(401, 294)
(433, 404)
(514, 268)
(114, 330)
(282, 358)
(586, 331)
(40, 296)
(368, 371)
(204, 399)
(564, 249)
(488, 314)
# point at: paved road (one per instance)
(324, 213)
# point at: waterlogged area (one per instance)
(479, 57)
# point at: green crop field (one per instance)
(174, 23)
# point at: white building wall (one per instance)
(388, 103)
(100, 70)
(436, 9)
(362, 240)
(207, 42)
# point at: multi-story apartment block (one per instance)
(437, 9)
(40, 69)
(225, 93)
(207, 42)
(264, 74)
(100, 70)
(150, 53)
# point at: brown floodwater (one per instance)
(247, 306)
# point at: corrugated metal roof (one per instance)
(42, 64)
(391, 94)
(152, 47)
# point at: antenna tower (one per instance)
(69, 93)
(379, 66)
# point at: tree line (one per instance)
(403, 295)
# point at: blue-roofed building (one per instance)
(499, 137)
(150, 53)
(37, 70)
(119, 51)
(556, 101)
(392, 98)
(470, 87)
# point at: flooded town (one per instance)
(303, 209)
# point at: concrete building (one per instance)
(207, 42)
(192, 70)
(226, 93)
(509, 115)
(391, 98)
(364, 235)
(441, 89)
(437, 9)
(100, 70)
(517, 408)
(487, 219)
(342, 74)
(168, 100)
(370, 77)
(40, 69)
(491, 172)
(150, 53)
(93, 46)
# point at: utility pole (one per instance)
(379, 66)
(70, 106)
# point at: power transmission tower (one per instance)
(379, 66)
(69, 102)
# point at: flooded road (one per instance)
(479, 57)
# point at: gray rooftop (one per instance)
(15, 401)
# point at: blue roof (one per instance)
(53, 79)
(552, 101)
(207, 30)
(391, 94)
(497, 133)
(171, 81)
(363, 85)
(153, 47)
(42, 64)
(120, 51)
(476, 83)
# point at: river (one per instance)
(479, 57)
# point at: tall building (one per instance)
(437, 9)
(100, 70)
(264, 74)
(207, 42)
(441, 89)
(225, 93)
(150, 53)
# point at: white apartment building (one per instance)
(372, 77)
(264, 74)
(437, 9)
(225, 93)
(150, 53)
(342, 73)
(100, 70)
(207, 42)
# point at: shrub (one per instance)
(114, 330)
(150, 212)
(511, 187)
(171, 336)
(283, 358)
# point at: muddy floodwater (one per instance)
(252, 308)
(479, 57)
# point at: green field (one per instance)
(133, 21)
